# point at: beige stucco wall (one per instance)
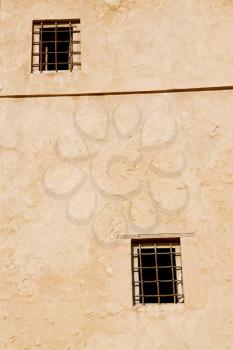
(126, 44)
(79, 175)
(66, 281)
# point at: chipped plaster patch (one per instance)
(113, 4)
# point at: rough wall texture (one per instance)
(80, 173)
(126, 44)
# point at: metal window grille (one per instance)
(157, 271)
(56, 45)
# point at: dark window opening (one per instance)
(165, 275)
(157, 271)
(56, 48)
(56, 45)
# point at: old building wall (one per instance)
(81, 175)
(125, 45)
(65, 273)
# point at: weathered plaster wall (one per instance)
(77, 174)
(126, 44)
(65, 281)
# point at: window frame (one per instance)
(136, 269)
(72, 64)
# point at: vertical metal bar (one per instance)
(132, 269)
(140, 271)
(157, 272)
(80, 48)
(173, 278)
(46, 57)
(56, 46)
(40, 48)
(181, 274)
(33, 37)
(70, 48)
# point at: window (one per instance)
(157, 271)
(55, 45)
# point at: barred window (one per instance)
(56, 45)
(157, 271)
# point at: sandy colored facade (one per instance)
(82, 175)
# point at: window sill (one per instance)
(170, 307)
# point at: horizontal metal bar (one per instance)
(53, 31)
(168, 253)
(157, 267)
(58, 41)
(177, 281)
(46, 21)
(158, 295)
(48, 52)
(59, 63)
